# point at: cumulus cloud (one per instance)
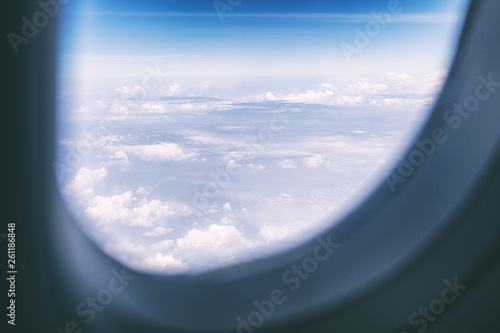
(213, 238)
(126, 209)
(219, 243)
(141, 191)
(366, 87)
(268, 96)
(437, 76)
(161, 263)
(158, 231)
(233, 165)
(309, 97)
(113, 209)
(347, 100)
(313, 161)
(255, 167)
(324, 96)
(119, 159)
(84, 180)
(130, 92)
(398, 76)
(273, 233)
(158, 152)
(432, 81)
(147, 213)
(127, 98)
(162, 245)
(364, 92)
(173, 89)
(287, 164)
(157, 263)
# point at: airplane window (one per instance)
(193, 135)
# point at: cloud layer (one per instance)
(190, 183)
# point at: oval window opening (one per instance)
(193, 135)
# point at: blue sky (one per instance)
(161, 100)
(258, 37)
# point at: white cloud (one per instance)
(309, 97)
(220, 243)
(324, 96)
(398, 76)
(438, 76)
(213, 238)
(84, 180)
(127, 98)
(364, 86)
(314, 161)
(125, 209)
(254, 167)
(148, 213)
(141, 191)
(347, 100)
(158, 152)
(233, 165)
(287, 164)
(106, 210)
(267, 97)
(158, 231)
(119, 159)
(173, 89)
(166, 263)
(433, 81)
(227, 207)
(133, 92)
(273, 233)
(162, 245)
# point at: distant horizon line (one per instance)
(338, 17)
